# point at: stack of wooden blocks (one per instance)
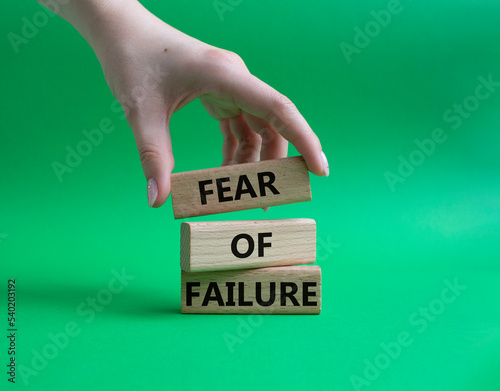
(247, 266)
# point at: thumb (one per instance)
(152, 137)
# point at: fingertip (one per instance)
(163, 192)
(326, 166)
(158, 189)
(152, 191)
(316, 163)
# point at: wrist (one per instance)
(96, 20)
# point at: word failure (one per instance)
(289, 289)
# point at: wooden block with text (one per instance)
(270, 290)
(240, 187)
(227, 245)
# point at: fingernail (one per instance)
(326, 167)
(265, 209)
(152, 191)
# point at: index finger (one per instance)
(257, 98)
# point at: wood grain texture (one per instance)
(270, 290)
(229, 245)
(240, 187)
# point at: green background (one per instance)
(384, 254)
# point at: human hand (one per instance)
(154, 70)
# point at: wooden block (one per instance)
(270, 290)
(240, 187)
(228, 245)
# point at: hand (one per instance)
(154, 70)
